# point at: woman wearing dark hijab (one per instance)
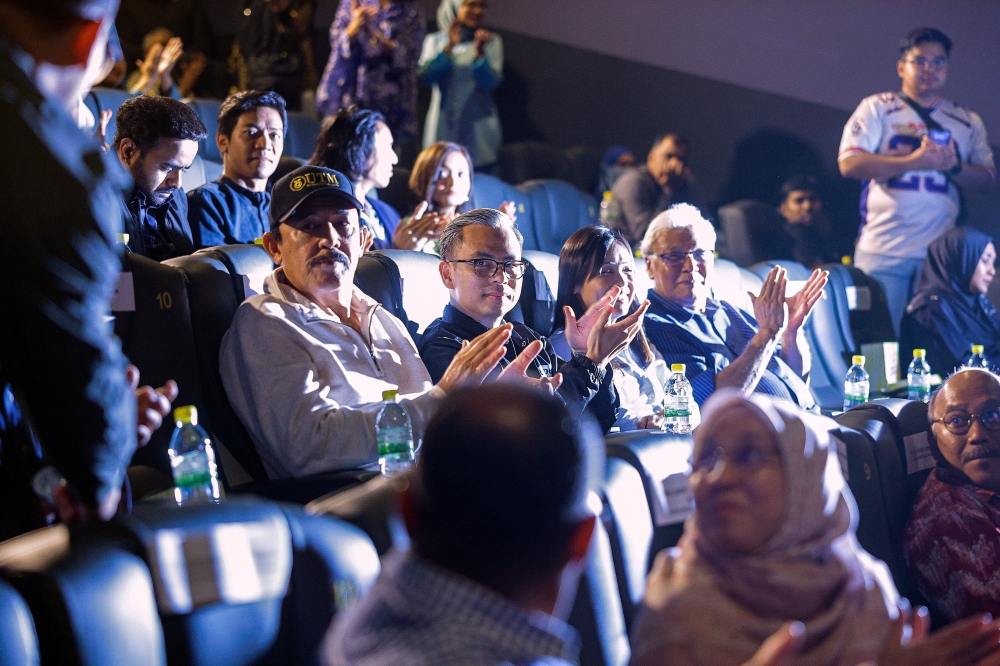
(949, 311)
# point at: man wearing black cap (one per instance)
(305, 364)
(59, 218)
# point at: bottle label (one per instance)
(394, 441)
(192, 470)
(679, 412)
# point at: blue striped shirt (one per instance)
(420, 614)
(707, 343)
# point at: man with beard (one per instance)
(306, 363)
(156, 138)
(952, 541)
(251, 137)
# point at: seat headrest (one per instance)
(202, 555)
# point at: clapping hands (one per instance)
(593, 335)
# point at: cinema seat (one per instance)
(537, 305)
(103, 99)
(208, 112)
(630, 533)
(157, 337)
(247, 581)
(828, 332)
(200, 172)
(597, 610)
(663, 463)
(214, 294)
(898, 430)
(730, 283)
(93, 608)
(397, 194)
(864, 480)
(557, 210)
(489, 192)
(372, 507)
(300, 136)
(18, 640)
(740, 223)
(407, 284)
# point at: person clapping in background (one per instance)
(375, 44)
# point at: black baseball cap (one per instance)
(306, 182)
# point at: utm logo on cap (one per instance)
(316, 179)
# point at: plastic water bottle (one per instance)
(856, 383)
(977, 359)
(395, 436)
(609, 210)
(677, 406)
(192, 458)
(918, 377)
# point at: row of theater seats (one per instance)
(246, 582)
(173, 326)
(237, 583)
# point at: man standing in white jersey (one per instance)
(914, 150)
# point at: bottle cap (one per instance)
(258, 241)
(846, 260)
(919, 353)
(186, 414)
(390, 394)
(677, 367)
(608, 195)
(123, 239)
(977, 349)
(858, 359)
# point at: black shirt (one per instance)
(583, 385)
(60, 213)
(158, 232)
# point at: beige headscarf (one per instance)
(705, 606)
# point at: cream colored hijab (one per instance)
(714, 608)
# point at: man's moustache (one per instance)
(332, 255)
(979, 452)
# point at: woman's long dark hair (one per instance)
(346, 141)
(580, 259)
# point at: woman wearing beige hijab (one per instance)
(772, 540)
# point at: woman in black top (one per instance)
(949, 311)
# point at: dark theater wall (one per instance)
(761, 91)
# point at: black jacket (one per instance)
(172, 232)
(584, 385)
(60, 212)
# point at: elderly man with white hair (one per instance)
(720, 344)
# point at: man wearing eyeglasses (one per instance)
(719, 344)
(952, 540)
(913, 149)
(305, 363)
(482, 268)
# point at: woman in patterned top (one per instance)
(373, 62)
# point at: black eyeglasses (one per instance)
(487, 268)
(959, 422)
(744, 459)
(920, 63)
(676, 259)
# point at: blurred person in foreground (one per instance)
(772, 540)
(63, 374)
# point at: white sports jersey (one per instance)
(904, 214)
